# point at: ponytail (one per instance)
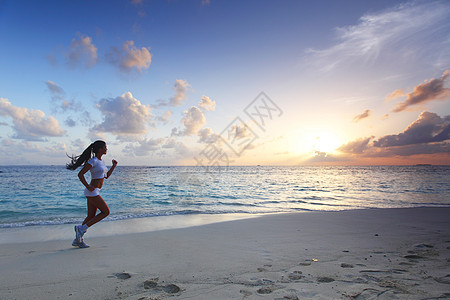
(76, 161)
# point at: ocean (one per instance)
(52, 195)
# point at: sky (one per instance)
(225, 82)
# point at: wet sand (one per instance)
(360, 254)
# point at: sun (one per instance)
(326, 142)
(315, 141)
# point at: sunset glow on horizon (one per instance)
(226, 82)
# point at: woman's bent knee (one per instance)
(106, 212)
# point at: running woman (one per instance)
(91, 159)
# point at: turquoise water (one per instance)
(47, 195)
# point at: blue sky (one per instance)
(355, 82)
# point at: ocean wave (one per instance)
(136, 192)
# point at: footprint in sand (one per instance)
(246, 293)
(265, 290)
(296, 275)
(445, 279)
(289, 297)
(123, 275)
(325, 279)
(262, 270)
(153, 285)
(171, 289)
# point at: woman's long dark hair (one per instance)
(87, 154)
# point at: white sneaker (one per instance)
(82, 244)
(79, 233)
(75, 243)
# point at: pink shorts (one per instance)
(94, 193)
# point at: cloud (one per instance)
(26, 152)
(323, 157)
(429, 134)
(55, 89)
(357, 146)
(395, 94)
(82, 51)
(165, 117)
(207, 104)
(123, 115)
(390, 32)
(409, 150)
(70, 122)
(193, 120)
(30, 124)
(129, 57)
(428, 128)
(425, 92)
(364, 115)
(60, 104)
(239, 131)
(145, 146)
(179, 147)
(207, 136)
(180, 87)
(79, 144)
(59, 98)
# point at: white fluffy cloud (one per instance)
(30, 124)
(193, 120)
(123, 115)
(130, 57)
(207, 104)
(180, 87)
(82, 51)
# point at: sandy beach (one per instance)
(359, 254)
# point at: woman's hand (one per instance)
(91, 188)
(114, 162)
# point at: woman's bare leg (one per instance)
(91, 211)
(96, 202)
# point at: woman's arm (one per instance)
(114, 162)
(83, 171)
